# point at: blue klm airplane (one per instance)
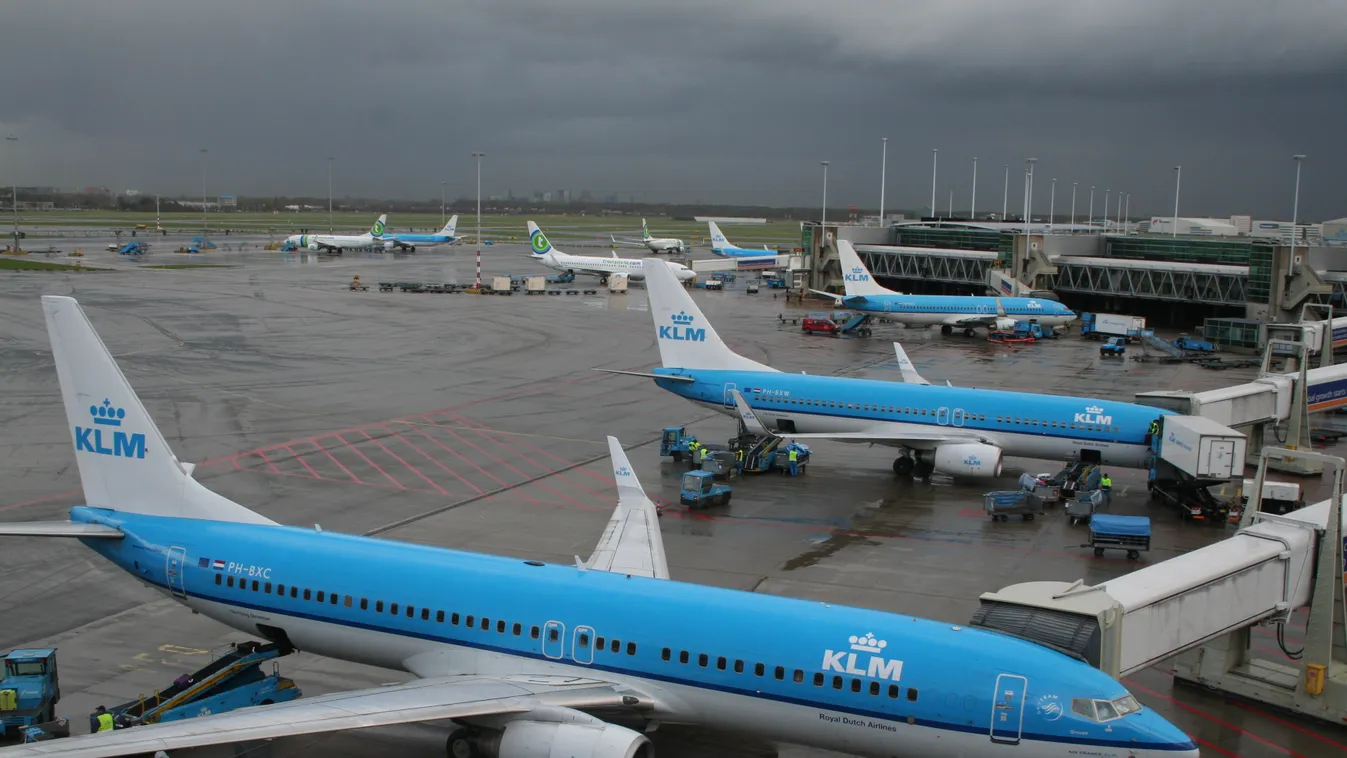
(954, 430)
(949, 312)
(410, 242)
(726, 249)
(529, 660)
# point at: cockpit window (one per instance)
(1105, 710)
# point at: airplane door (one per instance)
(176, 585)
(554, 639)
(729, 399)
(582, 647)
(942, 416)
(956, 418)
(1008, 708)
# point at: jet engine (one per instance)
(544, 739)
(390, 245)
(313, 245)
(972, 459)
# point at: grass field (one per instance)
(18, 264)
(504, 228)
(191, 265)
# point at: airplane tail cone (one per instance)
(124, 462)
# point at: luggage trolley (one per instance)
(1130, 533)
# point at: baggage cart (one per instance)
(1003, 504)
(1130, 533)
(1083, 508)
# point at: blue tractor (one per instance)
(701, 490)
(676, 443)
(1114, 347)
(29, 690)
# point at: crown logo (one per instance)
(867, 643)
(1094, 409)
(624, 471)
(106, 414)
(857, 270)
(682, 319)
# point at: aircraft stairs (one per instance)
(1201, 605)
(1149, 340)
(858, 324)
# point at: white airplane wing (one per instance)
(632, 543)
(625, 242)
(880, 434)
(59, 529)
(455, 697)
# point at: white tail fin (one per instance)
(378, 229)
(718, 241)
(645, 231)
(686, 339)
(905, 367)
(451, 228)
(124, 462)
(538, 241)
(855, 276)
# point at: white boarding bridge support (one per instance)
(1205, 601)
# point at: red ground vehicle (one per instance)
(820, 323)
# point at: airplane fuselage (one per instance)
(332, 241)
(939, 310)
(600, 266)
(1050, 427)
(862, 681)
(665, 245)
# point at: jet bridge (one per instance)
(1202, 604)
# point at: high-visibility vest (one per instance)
(740, 454)
(706, 453)
(794, 456)
(105, 722)
(1106, 483)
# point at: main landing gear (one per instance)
(460, 745)
(910, 465)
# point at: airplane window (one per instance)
(1105, 710)
(1083, 707)
(393, 608)
(738, 667)
(779, 672)
(855, 685)
(600, 642)
(334, 598)
(364, 604)
(280, 589)
(379, 606)
(912, 694)
(893, 692)
(702, 660)
(584, 640)
(320, 595)
(631, 648)
(307, 594)
(348, 601)
(720, 663)
(799, 676)
(874, 688)
(470, 622)
(533, 632)
(837, 682)
(682, 656)
(818, 680)
(243, 584)
(518, 629)
(486, 623)
(425, 614)
(615, 647)
(219, 578)
(552, 634)
(453, 619)
(255, 585)
(439, 617)
(759, 669)
(294, 591)
(1126, 704)
(664, 654)
(410, 611)
(267, 588)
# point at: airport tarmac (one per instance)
(478, 423)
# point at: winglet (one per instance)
(905, 367)
(746, 415)
(628, 486)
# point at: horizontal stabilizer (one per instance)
(836, 298)
(59, 529)
(670, 377)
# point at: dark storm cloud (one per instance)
(694, 100)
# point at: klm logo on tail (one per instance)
(876, 666)
(539, 243)
(857, 275)
(681, 330)
(107, 417)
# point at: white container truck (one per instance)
(1202, 448)
(1104, 325)
(617, 283)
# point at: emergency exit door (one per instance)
(176, 584)
(1008, 708)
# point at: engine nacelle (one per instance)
(313, 246)
(972, 459)
(545, 739)
(1005, 324)
(390, 245)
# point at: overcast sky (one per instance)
(688, 100)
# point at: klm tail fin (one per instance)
(645, 232)
(377, 230)
(855, 276)
(718, 241)
(538, 241)
(686, 339)
(451, 228)
(124, 462)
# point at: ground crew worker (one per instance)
(1106, 485)
(694, 459)
(104, 720)
(1152, 431)
(793, 456)
(705, 453)
(739, 456)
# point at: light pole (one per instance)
(935, 160)
(951, 204)
(1118, 215)
(1295, 206)
(1028, 203)
(1052, 202)
(823, 218)
(205, 226)
(1005, 196)
(479, 157)
(973, 204)
(14, 184)
(1090, 220)
(441, 205)
(1127, 212)
(329, 194)
(1106, 191)
(1073, 203)
(1178, 177)
(883, 170)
